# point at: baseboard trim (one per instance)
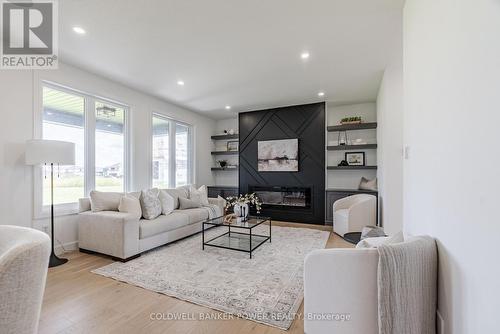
(68, 246)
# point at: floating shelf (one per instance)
(224, 152)
(226, 169)
(350, 167)
(346, 127)
(341, 190)
(351, 147)
(224, 137)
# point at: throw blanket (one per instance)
(407, 287)
(213, 211)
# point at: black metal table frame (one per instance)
(250, 234)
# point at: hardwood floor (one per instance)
(78, 301)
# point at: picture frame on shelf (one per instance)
(232, 146)
(355, 158)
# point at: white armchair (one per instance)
(351, 214)
(24, 259)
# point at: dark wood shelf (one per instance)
(350, 167)
(225, 137)
(351, 147)
(226, 169)
(346, 127)
(354, 191)
(224, 152)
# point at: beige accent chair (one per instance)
(24, 259)
(351, 214)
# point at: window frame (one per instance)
(43, 211)
(172, 122)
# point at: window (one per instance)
(171, 167)
(160, 152)
(64, 119)
(98, 129)
(109, 147)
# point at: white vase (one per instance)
(241, 210)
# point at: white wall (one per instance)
(390, 148)
(225, 178)
(350, 179)
(451, 179)
(18, 107)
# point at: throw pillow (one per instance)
(372, 232)
(150, 203)
(376, 242)
(366, 184)
(185, 203)
(104, 201)
(177, 193)
(199, 195)
(130, 204)
(167, 202)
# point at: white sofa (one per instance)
(351, 214)
(341, 282)
(344, 289)
(123, 236)
(24, 259)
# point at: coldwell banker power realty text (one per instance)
(29, 34)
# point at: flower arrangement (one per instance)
(250, 199)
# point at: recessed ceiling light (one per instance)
(79, 30)
(180, 83)
(109, 125)
(304, 55)
(228, 107)
(321, 94)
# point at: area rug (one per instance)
(267, 288)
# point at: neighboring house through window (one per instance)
(98, 129)
(172, 152)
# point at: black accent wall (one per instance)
(305, 122)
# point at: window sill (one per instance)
(59, 211)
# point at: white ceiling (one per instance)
(243, 53)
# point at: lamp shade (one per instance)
(41, 151)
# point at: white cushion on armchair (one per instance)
(351, 214)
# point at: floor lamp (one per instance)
(51, 152)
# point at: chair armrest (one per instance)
(344, 203)
(341, 282)
(109, 232)
(362, 213)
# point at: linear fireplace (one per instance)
(283, 197)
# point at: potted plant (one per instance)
(350, 120)
(241, 204)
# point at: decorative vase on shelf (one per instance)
(241, 211)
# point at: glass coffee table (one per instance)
(238, 241)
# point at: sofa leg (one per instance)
(114, 258)
(86, 251)
(127, 259)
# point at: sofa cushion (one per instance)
(130, 204)
(182, 192)
(194, 215)
(149, 228)
(104, 201)
(185, 203)
(150, 203)
(167, 202)
(199, 195)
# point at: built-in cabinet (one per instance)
(222, 191)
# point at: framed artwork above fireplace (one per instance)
(278, 155)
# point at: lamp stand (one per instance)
(54, 261)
